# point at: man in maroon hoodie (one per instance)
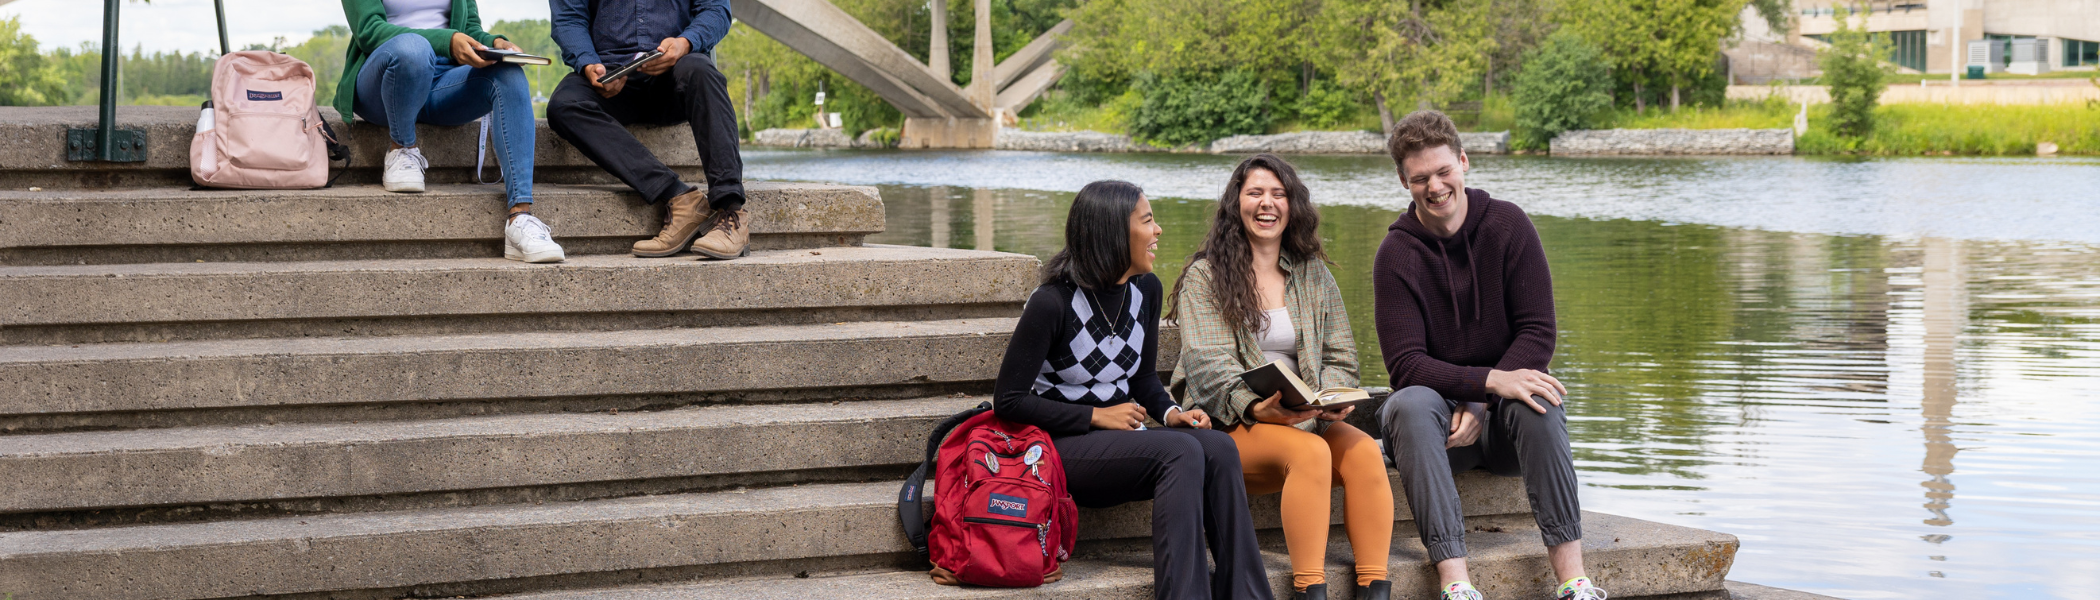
(1465, 317)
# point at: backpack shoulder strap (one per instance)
(909, 511)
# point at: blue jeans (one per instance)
(404, 83)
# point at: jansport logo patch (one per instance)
(1002, 504)
(256, 96)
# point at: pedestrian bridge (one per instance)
(938, 114)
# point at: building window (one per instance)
(1909, 49)
(2078, 53)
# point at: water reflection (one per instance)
(1769, 383)
(1943, 321)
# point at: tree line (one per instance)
(1172, 72)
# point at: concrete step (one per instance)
(485, 549)
(1630, 557)
(585, 455)
(353, 379)
(348, 222)
(35, 155)
(193, 301)
(200, 465)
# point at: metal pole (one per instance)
(105, 131)
(225, 48)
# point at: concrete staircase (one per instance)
(344, 394)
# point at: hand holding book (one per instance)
(1274, 378)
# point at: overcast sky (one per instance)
(187, 25)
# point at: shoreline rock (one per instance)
(1344, 142)
(815, 138)
(1297, 142)
(1066, 141)
(1673, 142)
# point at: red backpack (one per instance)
(1001, 515)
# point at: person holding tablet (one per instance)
(672, 81)
(420, 61)
(1082, 366)
(1258, 291)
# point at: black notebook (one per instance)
(1273, 377)
(512, 56)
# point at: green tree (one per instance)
(1689, 39)
(1853, 67)
(1626, 30)
(27, 78)
(1115, 40)
(1566, 84)
(1384, 49)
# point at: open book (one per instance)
(512, 56)
(1274, 377)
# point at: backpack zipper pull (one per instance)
(1042, 536)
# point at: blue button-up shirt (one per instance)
(600, 31)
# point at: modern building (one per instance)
(1933, 36)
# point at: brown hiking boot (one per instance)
(686, 217)
(730, 237)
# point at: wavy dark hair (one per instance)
(1097, 236)
(1232, 259)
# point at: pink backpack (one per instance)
(262, 129)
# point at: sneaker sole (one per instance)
(745, 251)
(405, 188)
(543, 257)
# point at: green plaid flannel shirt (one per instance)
(1214, 353)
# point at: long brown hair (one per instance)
(1232, 259)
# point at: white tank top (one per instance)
(1279, 341)
(419, 14)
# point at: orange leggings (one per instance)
(1304, 467)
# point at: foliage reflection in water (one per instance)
(1875, 417)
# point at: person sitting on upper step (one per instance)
(1464, 305)
(683, 85)
(417, 61)
(1257, 290)
(1082, 365)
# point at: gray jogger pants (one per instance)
(1516, 441)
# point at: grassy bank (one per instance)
(1904, 129)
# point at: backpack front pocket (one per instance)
(261, 140)
(1006, 529)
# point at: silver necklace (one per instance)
(1115, 321)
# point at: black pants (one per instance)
(691, 92)
(1515, 441)
(1192, 477)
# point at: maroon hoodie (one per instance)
(1450, 309)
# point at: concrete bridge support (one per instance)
(937, 113)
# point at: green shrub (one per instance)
(1326, 106)
(1195, 108)
(1566, 84)
(1853, 68)
(885, 136)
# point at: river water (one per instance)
(1884, 376)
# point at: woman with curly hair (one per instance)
(1257, 291)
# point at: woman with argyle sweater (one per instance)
(1082, 366)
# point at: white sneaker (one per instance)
(529, 240)
(404, 170)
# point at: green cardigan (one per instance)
(1214, 352)
(369, 29)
